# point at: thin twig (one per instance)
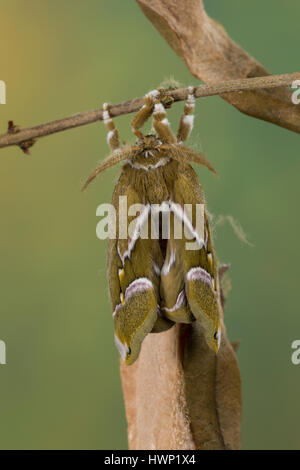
(20, 137)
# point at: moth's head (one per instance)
(149, 153)
(148, 142)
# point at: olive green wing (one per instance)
(196, 254)
(133, 268)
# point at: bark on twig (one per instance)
(25, 138)
(212, 56)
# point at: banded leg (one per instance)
(113, 135)
(187, 119)
(144, 113)
(161, 124)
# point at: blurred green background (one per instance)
(61, 387)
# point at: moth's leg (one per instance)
(198, 256)
(144, 113)
(187, 119)
(113, 135)
(161, 124)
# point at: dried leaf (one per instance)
(179, 395)
(212, 56)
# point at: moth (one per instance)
(155, 281)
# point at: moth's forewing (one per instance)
(134, 284)
(134, 319)
(199, 265)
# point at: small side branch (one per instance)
(21, 137)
